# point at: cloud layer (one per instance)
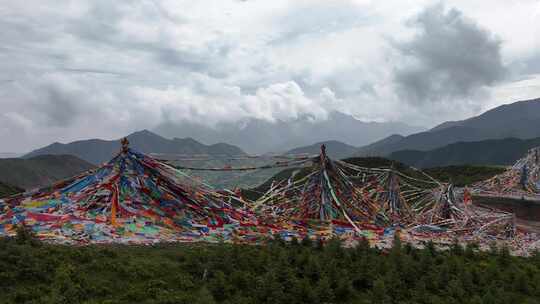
(450, 58)
(80, 69)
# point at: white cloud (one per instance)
(213, 104)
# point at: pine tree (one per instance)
(324, 290)
(204, 296)
(379, 293)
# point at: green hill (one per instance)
(41, 170)
(463, 175)
(7, 190)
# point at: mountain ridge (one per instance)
(261, 136)
(97, 151)
(520, 120)
(500, 152)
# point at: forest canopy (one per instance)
(280, 272)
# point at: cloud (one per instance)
(450, 57)
(93, 71)
(316, 18)
(528, 65)
(137, 64)
(209, 102)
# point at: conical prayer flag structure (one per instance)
(324, 195)
(137, 199)
(521, 180)
(447, 210)
(132, 198)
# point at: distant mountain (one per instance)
(8, 190)
(486, 152)
(41, 170)
(335, 149)
(260, 136)
(518, 120)
(97, 151)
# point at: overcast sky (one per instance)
(102, 68)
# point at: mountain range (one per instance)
(479, 140)
(519, 120)
(487, 152)
(40, 171)
(97, 151)
(261, 136)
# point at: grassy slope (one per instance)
(7, 190)
(463, 175)
(40, 171)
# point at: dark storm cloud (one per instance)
(450, 57)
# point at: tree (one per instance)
(379, 293)
(25, 236)
(204, 296)
(68, 285)
(307, 242)
(325, 293)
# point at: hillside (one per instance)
(518, 120)
(41, 170)
(486, 152)
(97, 151)
(261, 136)
(465, 175)
(336, 149)
(8, 190)
(511, 120)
